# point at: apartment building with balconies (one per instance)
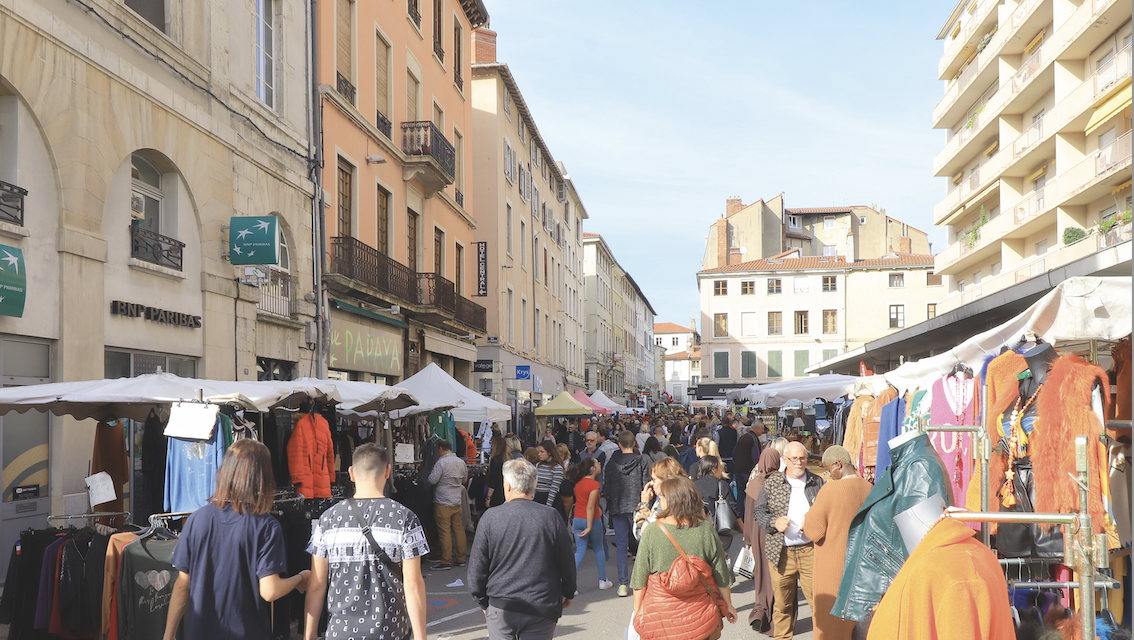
(1037, 153)
(395, 106)
(529, 222)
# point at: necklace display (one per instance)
(1007, 493)
(961, 397)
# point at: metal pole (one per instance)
(1086, 556)
(984, 451)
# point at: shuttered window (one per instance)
(748, 364)
(346, 189)
(829, 353)
(382, 75)
(775, 364)
(720, 364)
(343, 31)
(802, 359)
(413, 108)
(383, 221)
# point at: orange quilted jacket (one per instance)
(311, 457)
(676, 605)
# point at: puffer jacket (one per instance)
(875, 550)
(311, 457)
(772, 503)
(677, 606)
(624, 476)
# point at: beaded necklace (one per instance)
(1007, 493)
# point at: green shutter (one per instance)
(748, 364)
(829, 353)
(775, 364)
(720, 364)
(801, 358)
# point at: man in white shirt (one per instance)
(780, 510)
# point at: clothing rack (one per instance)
(159, 517)
(99, 514)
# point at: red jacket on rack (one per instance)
(311, 457)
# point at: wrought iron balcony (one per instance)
(458, 80)
(354, 259)
(414, 10)
(277, 293)
(459, 197)
(471, 314)
(12, 203)
(436, 292)
(431, 158)
(156, 248)
(344, 87)
(438, 49)
(383, 123)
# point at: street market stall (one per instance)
(586, 401)
(600, 398)
(564, 405)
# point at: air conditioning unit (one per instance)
(137, 206)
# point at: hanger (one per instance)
(1107, 617)
(962, 368)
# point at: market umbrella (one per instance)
(433, 387)
(359, 398)
(564, 404)
(777, 394)
(587, 402)
(599, 398)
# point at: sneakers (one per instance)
(459, 564)
(623, 591)
(605, 584)
(441, 567)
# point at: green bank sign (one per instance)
(254, 240)
(13, 282)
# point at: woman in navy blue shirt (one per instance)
(231, 554)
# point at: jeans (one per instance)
(596, 540)
(622, 523)
(514, 625)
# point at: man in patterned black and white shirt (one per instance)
(365, 598)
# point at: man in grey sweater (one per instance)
(522, 563)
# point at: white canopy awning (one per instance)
(364, 399)
(432, 387)
(599, 398)
(776, 394)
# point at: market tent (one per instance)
(433, 387)
(564, 404)
(134, 398)
(360, 398)
(587, 402)
(776, 394)
(738, 395)
(1076, 310)
(600, 399)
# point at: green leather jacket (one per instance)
(875, 551)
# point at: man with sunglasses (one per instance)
(780, 510)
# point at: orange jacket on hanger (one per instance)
(311, 457)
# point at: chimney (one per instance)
(905, 244)
(484, 43)
(722, 243)
(693, 324)
(732, 205)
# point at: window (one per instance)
(510, 162)
(507, 104)
(459, 165)
(511, 318)
(146, 195)
(801, 328)
(382, 81)
(720, 287)
(1041, 247)
(802, 360)
(412, 220)
(545, 274)
(748, 364)
(862, 219)
(383, 221)
(794, 222)
(343, 218)
(264, 52)
(775, 323)
(658, 342)
(720, 325)
(438, 28)
(996, 269)
(829, 222)
(748, 323)
(829, 353)
(830, 252)
(976, 278)
(153, 11)
(344, 28)
(830, 321)
(458, 39)
(897, 316)
(830, 283)
(775, 364)
(897, 280)
(800, 284)
(960, 286)
(413, 103)
(747, 287)
(508, 227)
(720, 364)
(523, 244)
(459, 269)
(674, 342)
(930, 310)
(932, 279)
(774, 286)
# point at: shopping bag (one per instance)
(745, 563)
(631, 632)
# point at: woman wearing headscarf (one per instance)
(761, 615)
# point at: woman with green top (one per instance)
(692, 609)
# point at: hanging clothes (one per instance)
(110, 455)
(22, 583)
(871, 423)
(145, 584)
(852, 439)
(110, 582)
(151, 485)
(1120, 352)
(889, 427)
(311, 457)
(954, 403)
(191, 470)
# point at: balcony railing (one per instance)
(277, 293)
(966, 32)
(425, 139)
(12, 203)
(354, 259)
(1096, 165)
(414, 10)
(1114, 71)
(1031, 67)
(471, 314)
(1031, 136)
(459, 197)
(458, 80)
(437, 292)
(383, 123)
(1029, 206)
(438, 49)
(344, 87)
(156, 248)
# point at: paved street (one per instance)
(595, 615)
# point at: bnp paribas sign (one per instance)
(13, 282)
(254, 240)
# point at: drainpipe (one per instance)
(315, 169)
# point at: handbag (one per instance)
(724, 520)
(387, 562)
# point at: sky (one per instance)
(662, 110)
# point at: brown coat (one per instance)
(827, 524)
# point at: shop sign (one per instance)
(481, 268)
(153, 314)
(355, 347)
(13, 282)
(482, 366)
(254, 240)
(493, 339)
(523, 372)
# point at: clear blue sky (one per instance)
(661, 110)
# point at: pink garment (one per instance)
(953, 407)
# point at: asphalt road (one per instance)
(595, 615)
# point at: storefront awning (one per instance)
(444, 345)
(1106, 111)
